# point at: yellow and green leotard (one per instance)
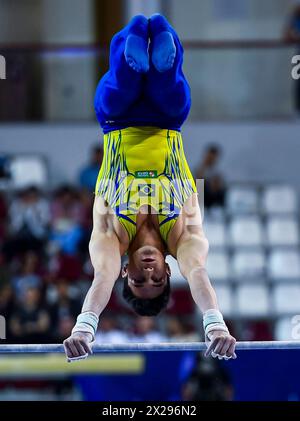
(145, 166)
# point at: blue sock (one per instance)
(136, 45)
(163, 46)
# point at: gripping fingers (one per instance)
(211, 347)
(76, 349)
(80, 348)
(230, 353)
(87, 347)
(83, 349)
(71, 349)
(223, 353)
(222, 348)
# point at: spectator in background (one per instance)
(29, 276)
(29, 221)
(207, 382)
(88, 174)
(292, 34)
(214, 185)
(146, 331)
(6, 306)
(87, 201)
(64, 310)
(64, 328)
(109, 331)
(66, 216)
(5, 272)
(178, 331)
(3, 218)
(30, 321)
(64, 266)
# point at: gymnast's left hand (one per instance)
(78, 346)
(221, 345)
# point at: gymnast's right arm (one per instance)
(105, 255)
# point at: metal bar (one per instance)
(146, 347)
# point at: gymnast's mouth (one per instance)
(148, 260)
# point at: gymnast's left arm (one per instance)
(192, 250)
(105, 256)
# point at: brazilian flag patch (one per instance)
(146, 174)
(146, 190)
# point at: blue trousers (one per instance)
(152, 98)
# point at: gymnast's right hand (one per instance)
(78, 346)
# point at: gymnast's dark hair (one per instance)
(147, 306)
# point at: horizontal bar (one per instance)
(146, 347)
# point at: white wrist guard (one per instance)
(87, 322)
(213, 320)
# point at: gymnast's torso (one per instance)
(145, 168)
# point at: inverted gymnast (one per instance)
(146, 203)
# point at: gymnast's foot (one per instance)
(136, 46)
(163, 46)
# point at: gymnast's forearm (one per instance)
(99, 294)
(191, 256)
(202, 290)
(106, 260)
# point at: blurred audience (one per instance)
(65, 266)
(67, 214)
(178, 330)
(87, 201)
(64, 309)
(6, 301)
(30, 321)
(88, 174)
(28, 276)
(109, 331)
(3, 218)
(29, 221)
(5, 271)
(145, 330)
(214, 183)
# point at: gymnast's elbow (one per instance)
(193, 255)
(105, 256)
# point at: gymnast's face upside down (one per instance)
(146, 280)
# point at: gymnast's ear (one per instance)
(168, 269)
(124, 271)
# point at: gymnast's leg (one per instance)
(121, 85)
(166, 85)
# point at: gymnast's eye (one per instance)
(138, 281)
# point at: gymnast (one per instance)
(146, 203)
